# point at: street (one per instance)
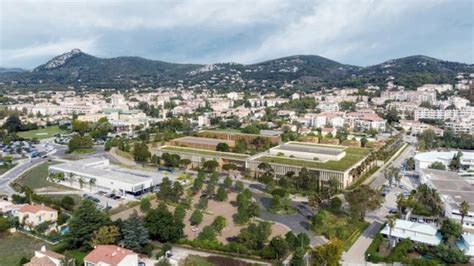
(356, 254)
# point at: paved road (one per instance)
(356, 254)
(12, 174)
(380, 179)
(298, 222)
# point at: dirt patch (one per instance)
(227, 210)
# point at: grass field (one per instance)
(15, 246)
(36, 177)
(41, 133)
(353, 155)
(205, 152)
(83, 151)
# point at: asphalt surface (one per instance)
(298, 223)
(26, 164)
(356, 254)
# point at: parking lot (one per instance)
(105, 200)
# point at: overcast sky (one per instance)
(194, 31)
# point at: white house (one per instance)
(418, 232)
(466, 244)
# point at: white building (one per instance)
(466, 244)
(418, 232)
(425, 159)
(108, 178)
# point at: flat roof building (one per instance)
(201, 143)
(307, 151)
(123, 181)
(418, 232)
(454, 189)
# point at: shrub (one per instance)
(196, 217)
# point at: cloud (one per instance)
(44, 50)
(350, 31)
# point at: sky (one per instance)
(357, 32)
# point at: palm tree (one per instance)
(391, 220)
(388, 175)
(464, 210)
(91, 183)
(81, 182)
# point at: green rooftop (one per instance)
(353, 156)
(205, 152)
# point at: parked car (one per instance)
(393, 211)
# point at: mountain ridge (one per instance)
(76, 68)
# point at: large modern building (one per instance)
(106, 177)
(454, 189)
(324, 161)
(201, 143)
(425, 159)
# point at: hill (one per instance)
(77, 68)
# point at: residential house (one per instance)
(45, 257)
(111, 255)
(417, 232)
(33, 215)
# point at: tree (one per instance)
(170, 160)
(211, 189)
(12, 124)
(179, 213)
(451, 231)
(141, 153)
(162, 224)
(208, 233)
(185, 163)
(227, 182)
(165, 189)
(219, 223)
(196, 217)
(197, 184)
(410, 164)
(388, 175)
(363, 199)
(134, 234)
(437, 165)
(203, 202)
(276, 249)
(84, 221)
(298, 257)
(391, 224)
(329, 254)
(105, 235)
(177, 191)
(67, 202)
(145, 204)
(92, 182)
(335, 204)
(222, 146)
(455, 163)
(221, 194)
(464, 210)
(255, 235)
(80, 127)
(210, 165)
(4, 224)
(251, 129)
(239, 185)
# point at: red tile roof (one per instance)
(35, 208)
(110, 254)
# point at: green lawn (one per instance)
(41, 133)
(205, 152)
(77, 198)
(83, 151)
(15, 246)
(36, 177)
(78, 255)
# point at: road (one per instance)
(356, 254)
(298, 222)
(26, 164)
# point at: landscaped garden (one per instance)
(338, 225)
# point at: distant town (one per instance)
(180, 176)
